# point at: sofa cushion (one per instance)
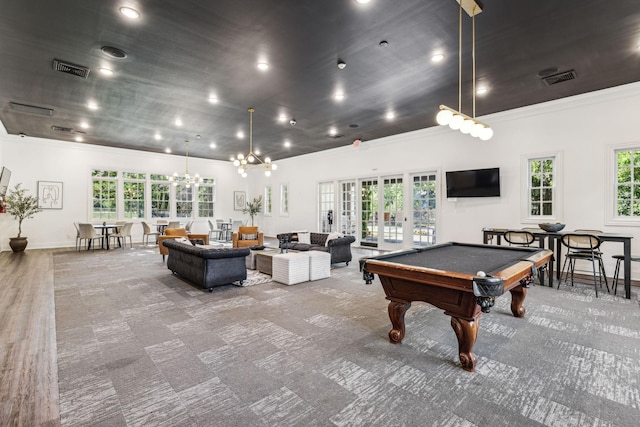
(304, 237)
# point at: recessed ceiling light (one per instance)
(240, 135)
(282, 118)
(256, 152)
(157, 137)
(213, 99)
(105, 71)
(167, 150)
(92, 105)
(287, 144)
(339, 96)
(437, 57)
(390, 115)
(212, 145)
(84, 125)
(341, 64)
(363, 1)
(79, 138)
(130, 12)
(263, 66)
(178, 121)
(332, 131)
(481, 91)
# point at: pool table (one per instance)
(446, 276)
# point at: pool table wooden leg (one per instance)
(396, 314)
(467, 332)
(518, 294)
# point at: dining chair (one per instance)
(583, 247)
(215, 230)
(146, 230)
(519, 237)
(77, 235)
(188, 226)
(88, 233)
(616, 275)
(123, 232)
(173, 224)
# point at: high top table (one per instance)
(554, 242)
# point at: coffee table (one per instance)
(264, 259)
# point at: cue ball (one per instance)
(481, 274)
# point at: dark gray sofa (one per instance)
(340, 248)
(206, 267)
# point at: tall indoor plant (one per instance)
(21, 206)
(253, 207)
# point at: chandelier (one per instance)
(455, 118)
(186, 179)
(248, 161)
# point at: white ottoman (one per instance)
(319, 265)
(290, 268)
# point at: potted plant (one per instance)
(253, 207)
(21, 206)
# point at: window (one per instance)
(424, 209)
(267, 200)
(627, 186)
(325, 192)
(134, 185)
(104, 194)
(540, 189)
(284, 199)
(184, 201)
(206, 198)
(160, 207)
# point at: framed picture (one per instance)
(49, 195)
(239, 200)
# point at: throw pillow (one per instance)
(249, 237)
(333, 235)
(304, 237)
(183, 240)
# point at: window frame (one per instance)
(611, 180)
(557, 188)
(268, 200)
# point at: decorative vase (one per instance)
(18, 244)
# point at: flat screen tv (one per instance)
(5, 175)
(474, 183)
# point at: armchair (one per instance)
(247, 236)
(172, 233)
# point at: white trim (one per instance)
(610, 217)
(558, 188)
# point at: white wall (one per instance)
(34, 159)
(580, 128)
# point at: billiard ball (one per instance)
(481, 274)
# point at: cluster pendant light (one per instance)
(187, 180)
(251, 160)
(455, 119)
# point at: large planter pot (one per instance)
(18, 244)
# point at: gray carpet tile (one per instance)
(138, 346)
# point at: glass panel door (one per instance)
(347, 222)
(369, 212)
(424, 209)
(392, 215)
(325, 190)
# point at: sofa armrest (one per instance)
(346, 240)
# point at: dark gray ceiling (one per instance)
(181, 51)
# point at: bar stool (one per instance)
(619, 259)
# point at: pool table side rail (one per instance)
(455, 280)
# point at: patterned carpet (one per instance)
(138, 346)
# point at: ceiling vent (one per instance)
(31, 109)
(560, 77)
(69, 68)
(62, 129)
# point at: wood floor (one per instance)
(28, 361)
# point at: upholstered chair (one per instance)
(247, 236)
(173, 233)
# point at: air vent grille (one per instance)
(69, 68)
(62, 129)
(32, 109)
(560, 77)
